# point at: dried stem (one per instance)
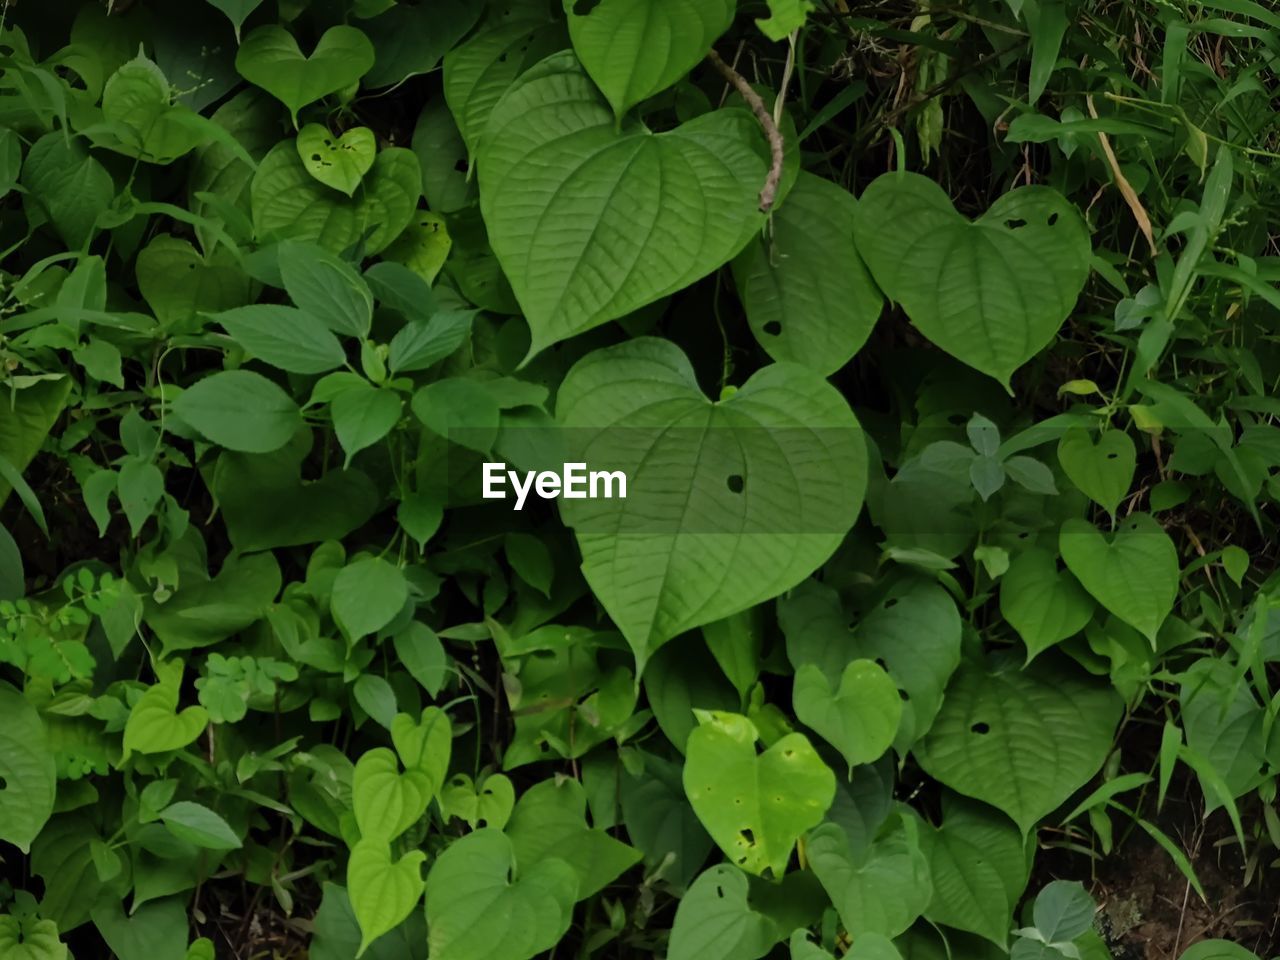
(770, 189)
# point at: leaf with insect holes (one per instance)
(337, 162)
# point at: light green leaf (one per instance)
(284, 337)
(30, 938)
(424, 744)
(1044, 604)
(337, 162)
(386, 801)
(367, 594)
(728, 504)
(480, 907)
(26, 417)
(1022, 741)
(362, 416)
(27, 774)
(145, 122)
(179, 284)
(240, 410)
(154, 724)
(421, 653)
(992, 292)
(798, 307)
(382, 893)
(1134, 574)
(883, 892)
(715, 921)
(1063, 911)
(376, 697)
(633, 49)
(424, 245)
(755, 806)
(550, 822)
(859, 718)
(641, 215)
(337, 932)
(288, 203)
(199, 825)
(1101, 469)
(269, 57)
(785, 17)
(489, 802)
(327, 287)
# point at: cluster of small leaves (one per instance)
(936, 347)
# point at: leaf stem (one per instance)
(769, 192)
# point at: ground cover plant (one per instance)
(935, 342)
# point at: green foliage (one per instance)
(933, 346)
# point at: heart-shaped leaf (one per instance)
(1103, 470)
(635, 48)
(915, 631)
(798, 308)
(884, 891)
(1022, 741)
(367, 594)
(1044, 604)
(728, 504)
(426, 744)
(991, 292)
(386, 801)
(237, 11)
(288, 203)
(1134, 574)
(715, 921)
(383, 893)
(144, 122)
(154, 725)
(755, 806)
(859, 718)
(30, 938)
(489, 802)
(179, 284)
(480, 908)
(338, 162)
(270, 58)
(27, 771)
(639, 215)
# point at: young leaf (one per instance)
(386, 801)
(715, 921)
(337, 162)
(367, 594)
(382, 893)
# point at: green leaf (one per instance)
(421, 653)
(240, 410)
(284, 337)
(367, 594)
(205, 611)
(423, 246)
(383, 893)
(327, 287)
(386, 801)
(633, 49)
(1063, 911)
(362, 416)
(410, 40)
(288, 203)
(269, 57)
(460, 410)
(179, 284)
(376, 698)
(237, 11)
(660, 820)
(550, 822)
(73, 188)
(489, 802)
(138, 105)
(883, 892)
(30, 938)
(1022, 741)
(154, 724)
(424, 744)
(755, 806)
(420, 344)
(153, 931)
(1224, 724)
(715, 921)
(779, 465)
(785, 17)
(798, 307)
(26, 417)
(859, 718)
(1101, 469)
(337, 162)
(1134, 575)
(640, 215)
(1044, 604)
(978, 865)
(480, 908)
(199, 825)
(27, 774)
(991, 292)
(338, 936)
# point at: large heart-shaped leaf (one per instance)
(288, 203)
(728, 503)
(424, 744)
(798, 307)
(1134, 574)
(637, 215)
(386, 801)
(1044, 604)
(715, 920)
(338, 162)
(991, 292)
(480, 908)
(144, 122)
(179, 284)
(859, 717)
(270, 58)
(755, 806)
(635, 48)
(1022, 741)
(1102, 469)
(383, 893)
(27, 774)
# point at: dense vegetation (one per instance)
(936, 341)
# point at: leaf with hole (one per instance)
(715, 920)
(339, 162)
(1103, 468)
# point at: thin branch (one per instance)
(769, 192)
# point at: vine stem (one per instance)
(769, 192)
